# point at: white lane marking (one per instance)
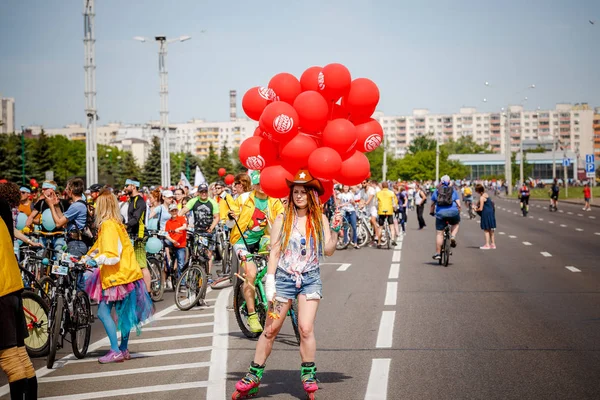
(178, 317)
(545, 254)
(148, 354)
(512, 236)
(527, 243)
(561, 211)
(579, 229)
(570, 213)
(398, 245)
(378, 379)
(94, 346)
(580, 215)
(217, 373)
(396, 257)
(514, 212)
(169, 338)
(592, 217)
(573, 269)
(531, 217)
(132, 371)
(386, 330)
(537, 205)
(563, 226)
(172, 327)
(597, 233)
(394, 271)
(343, 267)
(551, 222)
(501, 233)
(131, 391)
(390, 294)
(541, 219)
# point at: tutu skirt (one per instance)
(133, 304)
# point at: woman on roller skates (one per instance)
(300, 237)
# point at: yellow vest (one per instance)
(10, 275)
(386, 201)
(274, 208)
(113, 242)
(224, 206)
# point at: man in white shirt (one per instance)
(371, 204)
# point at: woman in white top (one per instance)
(345, 202)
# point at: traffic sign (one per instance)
(590, 168)
(589, 159)
(566, 162)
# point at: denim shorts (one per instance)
(311, 286)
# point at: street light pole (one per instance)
(384, 166)
(164, 104)
(437, 160)
(22, 155)
(89, 41)
(507, 154)
(553, 154)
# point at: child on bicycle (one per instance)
(176, 237)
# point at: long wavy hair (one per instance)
(314, 222)
(107, 207)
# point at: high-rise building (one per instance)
(7, 115)
(596, 138)
(570, 126)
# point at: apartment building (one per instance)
(596, 125)
(105, 133)
(7, 115)
(570, 126)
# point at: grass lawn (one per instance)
(574, 193)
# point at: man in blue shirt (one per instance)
(74, 218)
(445, 201)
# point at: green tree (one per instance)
(225, 160)
(422, 143)
(10, 157)
(465, 145)
(128, 168)
(152, 167)
(210, 165)
(42, 156)
(69, 159)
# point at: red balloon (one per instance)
(369, 136)
(312, 110)
(310, 79)
(340, 135)
(334, 81)
(32, 181)
(221, 171)
(272, 181)
(229, 179)
(324, 163)
(294, 154)
(257, 132)
(362, 99)
(286, 87)
(257, 153)
(337, 111)
(354, 170)
(255, 100)
(328, 190)
(279, 118)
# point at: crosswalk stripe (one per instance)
(172, 327)
(170, 338)
(343, 267)
(131, 391)
(573, 269)
(148, 354)
(177, 317)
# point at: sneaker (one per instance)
(202, 303)
(210, 281)
(126, 355)
(393, 243)
(588, 209)
(437, 256)
(111, 356)
(254, 324)
(452, 242)
(584, 208)
(493, 246)
(486, 247)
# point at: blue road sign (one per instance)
(591, 168)
(589, 159)
(566, 162)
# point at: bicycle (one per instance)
(70, 310)
(156, 265)
(192, 284)
(525, 206)
(386, 235)
(345, 232)
(260, 300)
(365, 232)
(469, 206)
(35, 273)
(445, 253)
(224, 251)
(36, 312)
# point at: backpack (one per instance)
(468, 191)
(88, 233)
(444, 197)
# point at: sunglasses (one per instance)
(237, 183)
(303, 244)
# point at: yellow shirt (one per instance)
(274, 208)
(10, 275)
(226, 204)
(386, 201)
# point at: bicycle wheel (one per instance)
(340, 245)
(189, 287)
(44, 288)
(241, 311)
(362, 233)
(36, 316)
(81, 327)
(157, 283)
(54, 324)
(446, 254)
(388, 236)
(294, 318)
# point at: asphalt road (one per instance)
(510, 323)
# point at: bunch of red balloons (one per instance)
(321, 122)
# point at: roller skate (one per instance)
(248, 385)
(309, 379)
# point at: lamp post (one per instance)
(89, 42)
(165, 161)
(437, 160)
(384, 165)
(22, 155)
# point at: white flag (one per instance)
(199, 177)
(184, 181)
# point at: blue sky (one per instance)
(433, 54)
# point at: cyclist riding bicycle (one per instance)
(554, 192)
(206, 218)
(446, 208)
(257, 214)
(524, 195)
(387, 202)
(467, 196)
